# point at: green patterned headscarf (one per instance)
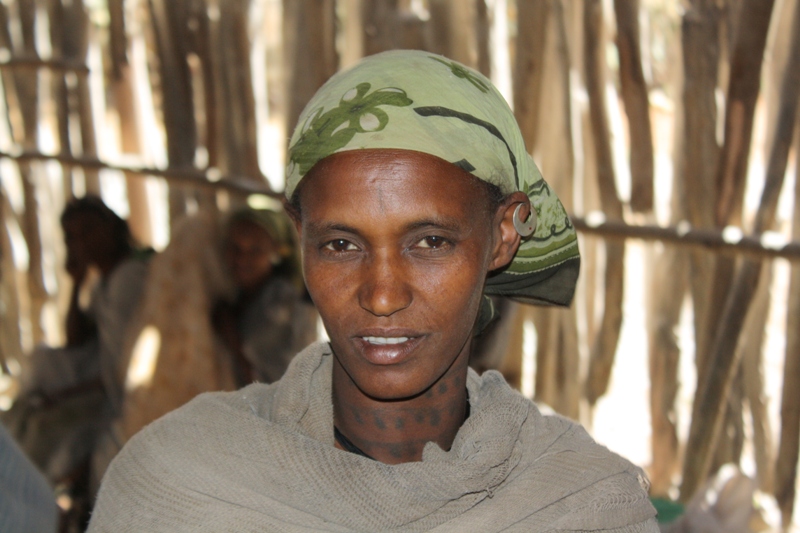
(419, 101)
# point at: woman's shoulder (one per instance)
(213, 414)
(599, 485)
(172, 466)
(206, 417)
(559, 464)
(167, 454)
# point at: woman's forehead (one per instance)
(400, 173)
(380, 183)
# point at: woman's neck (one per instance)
(396, 431)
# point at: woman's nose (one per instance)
(385, 290)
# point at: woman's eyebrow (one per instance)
(445, 223)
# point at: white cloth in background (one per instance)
(27, 503)
(263, 459)
(61, 436)
(113, 303)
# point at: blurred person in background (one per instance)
(271, 318)
(68, 395)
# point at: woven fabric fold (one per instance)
(263, 459)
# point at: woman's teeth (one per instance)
(385, 340)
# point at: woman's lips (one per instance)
(385, 340)
(387, 349)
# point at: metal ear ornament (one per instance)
(525, 228)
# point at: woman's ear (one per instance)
(507, 239)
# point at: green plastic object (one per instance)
(668, 510)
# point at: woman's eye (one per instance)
(432, 242)
(340, 245)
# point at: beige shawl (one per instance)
(262, 459)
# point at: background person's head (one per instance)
(94, 235)
(259, 245)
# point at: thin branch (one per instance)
(194, 177)
(55, 65)
(728, 241)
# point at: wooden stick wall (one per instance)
(667, 121)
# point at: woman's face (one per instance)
(396, 248)
(249, 253)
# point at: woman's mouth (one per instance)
(385, 340)
(387, 349)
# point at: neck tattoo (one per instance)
(348, 445)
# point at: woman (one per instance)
(270, 321)
(68, 395)
(411, 192)
(95, 238)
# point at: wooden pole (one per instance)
(310, 56)
(352, 31)
(177, 102)
(10, 340)
(118, 38)
(532, 25)
(604, 345)
(126, 106)
(236, 109)
(752, 372)
(453, 30)
(60, 92)
(381, 26)
(637, 105)
(532, 18)
(558, 375)
(743, 89)
(26, 89)
(669, 285)
(789, 439)
(483, 24)
(705, 428)
(13, 314)
(533, 30)
(668, 289)
(204, 33)
(700, 39)
(78, 42)
(749, 36)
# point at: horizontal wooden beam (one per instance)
(730, 240)
(194, 177)
(50, 64)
